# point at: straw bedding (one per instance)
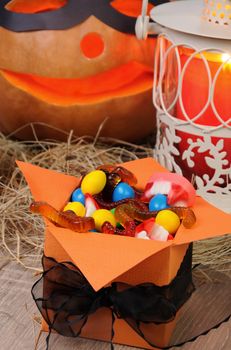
(22, 233)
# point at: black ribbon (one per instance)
(70, 15)
(66, 299)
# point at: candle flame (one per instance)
(225, 57)
(226, 60)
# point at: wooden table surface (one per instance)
(20, 328)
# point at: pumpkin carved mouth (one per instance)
(129, 79)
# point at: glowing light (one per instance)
(225, 57)
(209, 56)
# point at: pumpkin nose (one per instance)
(92, 45)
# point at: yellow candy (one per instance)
(169, 220)
(77, 207)
(94, 182)
(102, 215)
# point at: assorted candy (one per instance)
(178, 189)
(94, 182)
(122, 191)
(77, 207)
(101, 216)
(91, 205)
(158, 202)
(169, 220)
(107, 201)
(78, 196)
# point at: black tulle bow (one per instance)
(66, 299)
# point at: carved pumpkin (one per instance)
(72, 64)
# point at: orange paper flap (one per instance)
(102, 258)
(48, 185)
(211, 222)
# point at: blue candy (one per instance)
(158, 202)
(122, 191)
(78, 196)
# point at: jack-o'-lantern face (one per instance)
(74, 52)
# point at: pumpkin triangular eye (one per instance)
(129, 7)
(34, 6)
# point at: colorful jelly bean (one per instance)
(94, 182)
(122, 191)
(78, 196)
(102, 215)
(117, 223)
(158, 202)
(169, 220)
(77, 207)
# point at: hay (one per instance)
(22, 233)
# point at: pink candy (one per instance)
(179, 191)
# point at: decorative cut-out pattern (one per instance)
(215, 184)
(218, 11)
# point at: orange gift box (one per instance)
(104, 259)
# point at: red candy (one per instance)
(90, 204)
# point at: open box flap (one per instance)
(211, 222)
(47, 185)
(102, 257)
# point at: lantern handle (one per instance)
(143, 25)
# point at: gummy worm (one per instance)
(133, 211)
(124, 174)
(110, 205)
(126, 220)
(129, 229)
(67, 219)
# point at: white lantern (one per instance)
(192, 92)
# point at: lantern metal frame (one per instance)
(201, 37)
